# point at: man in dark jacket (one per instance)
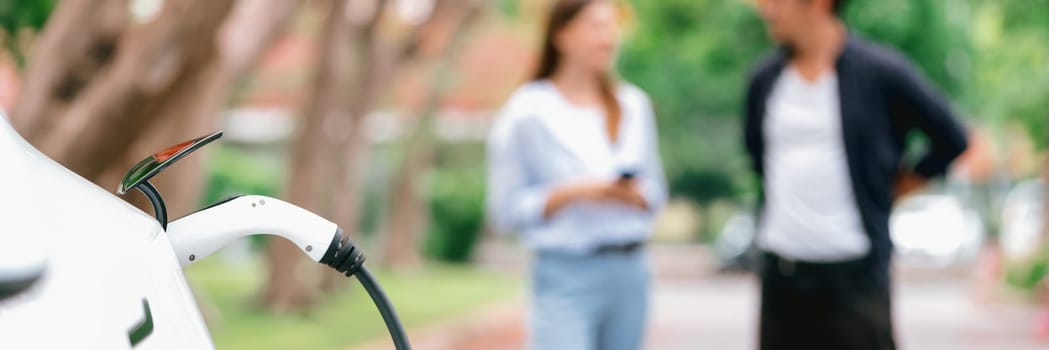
(827, 118)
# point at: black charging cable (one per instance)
(160, 211)
(343, 256)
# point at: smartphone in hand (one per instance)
(626, 176)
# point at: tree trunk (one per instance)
(155, 67)
(406, 214)
(348, 149)
(251, 28)
(347, 143)
(87, 106)
(337, 138)
(377, 66)
(78, 41)
(284, 289)
(406, 211)
(117, 92)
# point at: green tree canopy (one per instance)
(17, 15)
(693, 57)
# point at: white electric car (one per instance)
(82, 269)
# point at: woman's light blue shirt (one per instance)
(540, 141)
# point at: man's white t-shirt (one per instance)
(810, 211)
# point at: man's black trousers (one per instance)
(816, 306)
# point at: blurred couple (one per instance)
(574, 169)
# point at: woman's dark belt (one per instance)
(624, 248)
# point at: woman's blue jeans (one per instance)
(589, 302)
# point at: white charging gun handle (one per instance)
(197, 235)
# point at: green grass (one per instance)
(341, 320)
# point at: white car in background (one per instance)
(1023, 219)
(735, 247)
(936, 231)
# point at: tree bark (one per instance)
(333, 145)
(154, 65)
(284, 289)
(242, 39)
(86, 106)
(78, 41)
(346, 140)
(377, 66)
(406, 214)
(406, 211)
(118, 92)
(377, 63)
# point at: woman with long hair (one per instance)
(574, 169)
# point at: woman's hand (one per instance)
(626, 191)
(622, 191)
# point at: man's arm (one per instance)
(752, 137)
(929, 111)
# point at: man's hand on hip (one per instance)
(908, 183)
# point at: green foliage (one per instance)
(704, 186)
(456, 198)
(693, 55)
(16, 15)
(991, 57)
(508, 8)
(1027, 275)
(693, 58)
(1010, 75)
(236, 171)
(923, 31)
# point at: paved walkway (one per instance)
(721, 313)
(702, 310)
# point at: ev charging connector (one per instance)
(201, 233)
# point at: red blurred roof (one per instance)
(283, 73)
(495, 59)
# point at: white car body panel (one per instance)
(1023, 220)
(936, 231)
(103, 258)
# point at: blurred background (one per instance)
(373, 113)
